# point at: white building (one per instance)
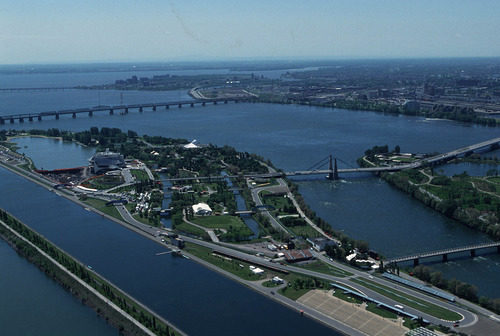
(202, 209)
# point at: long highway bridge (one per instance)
(444, 253)
(124, 109)
(332, 172)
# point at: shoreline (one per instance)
(81, 289)
(40, 181)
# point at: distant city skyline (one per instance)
(60, 31)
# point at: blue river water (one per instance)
(33, 304)
(295, 137)
(292, 137)
(178, 289)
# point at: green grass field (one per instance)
(410, 301)
(140, 175)
(223, 222)
(321, 267)
(101, 206)
(185, 227)
(236, 267)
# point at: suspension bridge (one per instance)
(332, 172)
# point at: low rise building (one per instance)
(292, 256)
(105, 161)
(202, 209)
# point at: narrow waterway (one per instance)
(34, 304)
(177, 289)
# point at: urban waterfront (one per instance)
(292, 137)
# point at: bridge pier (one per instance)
(472, 253)
(11, 120)
(21, 120)
(57, 116)
(498, 247)
(39, 118)
(415, 262)
(445, 257)
(167, 107)
(74, 115)
(140, 109)
(91, 113)
(180, 105)
(2, 121)
(126, 111)
(215, 102)
(203, 104)
(225, 101)
(30, 118)
(154, 107)
(111, 112)
(192, 104)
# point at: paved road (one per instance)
(469, 318)
(148, 231)
(256, 198)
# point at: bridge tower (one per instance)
(334, 172)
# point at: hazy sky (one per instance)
(52, 31)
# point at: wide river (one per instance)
(293, 137)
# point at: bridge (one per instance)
(124, 109)
(333, 172)
(444, 253)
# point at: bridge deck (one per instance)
(118, 107)
(442, 252)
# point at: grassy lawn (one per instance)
(304, 231)
(372, 307)
(104, 182)
(438, 191)
(230, 265)
(144, 220)
(346, 297)
(270, 284)
(321, 267)
(279, 203)
(185, 227)
(222, 222)
(495, 179)
(101, 206)
(298, 285)
(140, 175)
(411, 301)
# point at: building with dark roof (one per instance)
(102, 162)
(297, 255)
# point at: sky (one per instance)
(61, 31)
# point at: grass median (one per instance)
(410, 301)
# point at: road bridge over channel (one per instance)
(332, 171)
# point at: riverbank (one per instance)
(386, 109)
(118, 308)
(72, 198)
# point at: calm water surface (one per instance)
(177, 289)
(293, 137)
(33, 304)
